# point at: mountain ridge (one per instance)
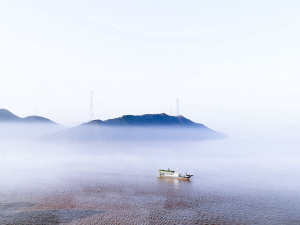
(137, 127)
(147, 120)
(9, 117)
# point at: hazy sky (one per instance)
(234, 65)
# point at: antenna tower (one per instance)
(177, 107)
(91, 107)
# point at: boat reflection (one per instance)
(169, 182)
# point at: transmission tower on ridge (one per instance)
(91, 107)
(177, 107)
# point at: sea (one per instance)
(253, 180)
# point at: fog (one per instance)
(265, 159)
(233, 180)
(92, 133)
(18, 132)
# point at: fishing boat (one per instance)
(173, 175)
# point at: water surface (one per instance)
(236, 181)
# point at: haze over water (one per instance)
(236, 181)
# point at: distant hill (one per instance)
(147, 127)
(150, 120)
(15, 128)
(7, 117)
(37, 119)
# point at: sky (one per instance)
(234, 65)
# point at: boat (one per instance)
(173, 175)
